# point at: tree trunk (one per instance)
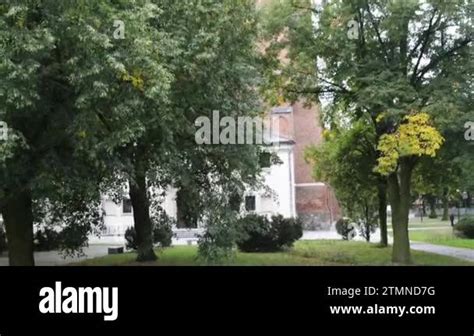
(399, 194)
(432, 204)
(141, 216)
(367, 224)
(382, 196)
(18, 216)
(445, 206)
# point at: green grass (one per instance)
(305, 253)
(441, 237)
(427, 222)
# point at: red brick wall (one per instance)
(307, 133)
(315, 203)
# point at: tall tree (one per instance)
(69, 80)
(38, 104)
(382, 59)
(346, 160)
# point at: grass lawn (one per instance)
(441, 237)
(427, 222)
(305, 253)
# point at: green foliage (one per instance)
(217, 243)
(405, 56)
(66, 224)
(162, 231)
(162, 228)
(367, 226)
(346, 228)
(465, 228)
(3, 240)
(345, 160)
(260, 234)
(46, 240)
(131, 238)
(87, 112)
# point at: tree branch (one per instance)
(435, 61)
(377, 32)
(424, 41)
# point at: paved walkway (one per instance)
(53, 258)
(457, 252)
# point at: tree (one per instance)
(216, 70)
(400, 151)
(377, 59)
(43, 49)
(112, 90)
(147, 120)
(345, 160)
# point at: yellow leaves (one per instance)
(337, 23)
(327, 134)
(82, 134)
(416, 136)
(380, 117)
(136, 79)
(281, 100)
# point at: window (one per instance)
(127, 206)
(250, 203)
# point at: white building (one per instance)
(276, 197)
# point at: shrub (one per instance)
(465, 228)
(163, 228)
(46, 239)
(3, 240)
(131, 238)
(345, 228)
(366, 229)
(162, 231)
(217, 243)
(288, 230)
(259, 234)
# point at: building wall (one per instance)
(315, 202)
(277, 198)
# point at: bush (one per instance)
(163, 229)
(465, 228)
(367, 229)
(46, 239)
(3, 240)
(162, 232)
(259, 234)
(217, 243)
(346, 228)
(131, 239)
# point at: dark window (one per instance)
(265, 160)
(250, 203)
(127, 206)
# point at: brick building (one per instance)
(314, 201)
